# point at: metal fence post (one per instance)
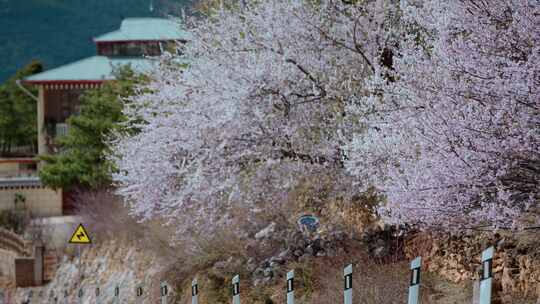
(347, 277)
(414, 285)
(236, 289)
(290, 287)
(487, 275)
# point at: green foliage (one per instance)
(82, 161)
(14, 220)
(18, 113)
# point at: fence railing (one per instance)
(482, 297)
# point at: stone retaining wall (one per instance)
(7, 259)
(516, 265)
(40, 201)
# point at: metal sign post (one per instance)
(414, 285)
(487, 275)
(236, 289)
(290, 287)
(194, 292)
(80, 237)
(347, 278)
(164, 292)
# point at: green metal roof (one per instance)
(94, 68)
(137, 29)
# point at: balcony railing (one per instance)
(19, 171)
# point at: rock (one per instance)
(304, 258)
(331, 252)
(309, 250)
(266, 232)
(317, 244)
(251, 265)
(379, 252)
(268, 272)
(259, 273)
(507, 299)
(284, 254)
(220, 265)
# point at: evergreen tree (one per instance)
(18, 113)
(83, 159)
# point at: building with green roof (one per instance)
(145, 29)
(136, 43)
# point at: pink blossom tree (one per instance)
(260, 107)
(453, 138)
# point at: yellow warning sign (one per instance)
(80, 236)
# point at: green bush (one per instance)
(13, 220)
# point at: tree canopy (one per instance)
(18, 125)
(82, 160)
(436, 112)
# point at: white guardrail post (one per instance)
(116, 295)
(347, 278)
(486, 280)
(139, 292)
(290, 287)
(98, 295)
(164, 292)
(414, 285)
(236, 289)
(194, 292)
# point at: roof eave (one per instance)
(60, 81)
(140, 40)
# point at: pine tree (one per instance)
(83, 159)
(18, 113)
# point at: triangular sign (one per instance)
(80, 236)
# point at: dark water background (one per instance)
(57, 32)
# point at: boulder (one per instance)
(266, 232)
